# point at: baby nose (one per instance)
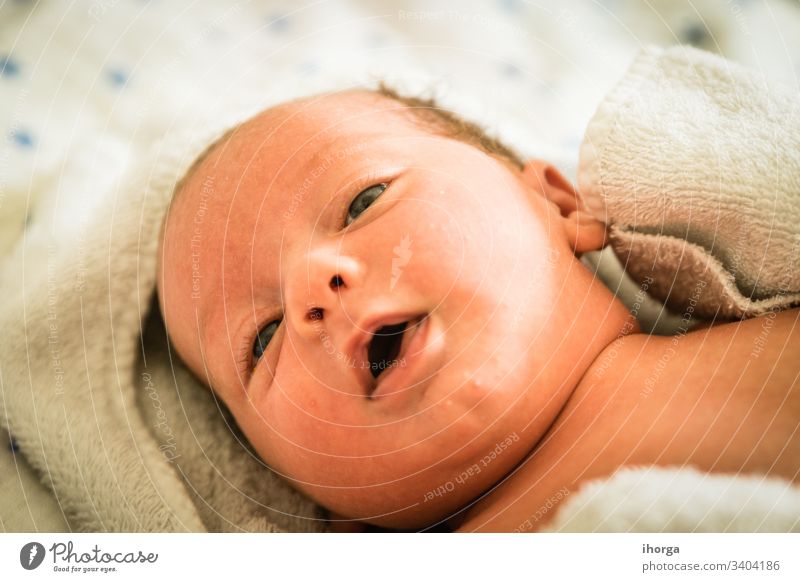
(319, 291)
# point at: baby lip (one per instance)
(357, 345)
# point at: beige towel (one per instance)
(659, 499)
(124, 436)
(71, 320)
(695, 163)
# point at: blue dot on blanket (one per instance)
(375, 41)
(309, 67)
(695, 34)
(8, 67)
(278, 23)
(117, 77)
(572, 142)
(12, 445)
(510, 70)
(509, 5)
(22, 138)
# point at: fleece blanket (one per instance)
(119, 432)
(123, 437)
(694, 161)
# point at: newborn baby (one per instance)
(392, 307)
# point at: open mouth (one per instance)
(384, 348)
(400, 354)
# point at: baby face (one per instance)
(324, 221)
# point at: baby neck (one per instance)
(592, 319)
(584, 335)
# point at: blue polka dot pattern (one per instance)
(22, 138)
(278, 23)
(509, 5)
(695, 33)
(374, 41)
(510, 70)
(309, 67)
(117, 77)
(8, 67)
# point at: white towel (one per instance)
(695, 163)
(125, 437)
(660, 499)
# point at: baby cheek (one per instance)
(446, 426)
(431, 255)
(310, 424)
(467, 246)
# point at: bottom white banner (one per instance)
(390, 556)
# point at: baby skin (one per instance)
(399, 323)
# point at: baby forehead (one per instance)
(288, 138)
(284, 141)
(321, 117)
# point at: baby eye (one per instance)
(362, 201)
(263, 338)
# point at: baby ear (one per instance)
(584, 232)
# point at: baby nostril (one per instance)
(336, 282)
(314, 314)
